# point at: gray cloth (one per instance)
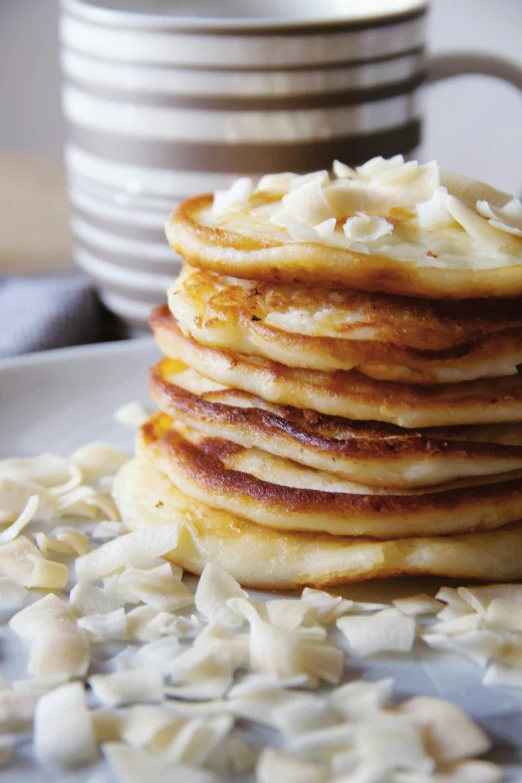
(38, 313)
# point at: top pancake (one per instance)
(255, 238)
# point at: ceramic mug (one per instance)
(163, 100)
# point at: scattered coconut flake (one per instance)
(139, 624)
(328, 608)
(479, 598)
(387, 631)
(400, 746)
(234, 197)
(11, 590)
(273, 765)
(507, 218)
(39, 685)
(307, 202)
(125, 687)
(106, 530)
(449, 734)
(158, 653)
(475, 225)
(132, 414)
(470, 190)
(275, 183)
(75, 480)
(141, 724)
(181, 627)
(379, 165)
(57, 646)
(111, 625)
(502, 676)
(458, 625)
(63, 731)
(134, 765)
(21, 522)
(97, 460)
(357, 699)
(418, 604)
(200, 675)
(66, 542)
(342, 170)
(47, 470)
(303, 716)
(106, 725)
(86, 599)
(275, 650)
(321, 744)
(221, 638)
(195, 742)
(255, 684)
(470, 771)
(505, 615)
(240, 755)
(214, 589)
(157, 587)
(17, 709)
(261, 707)
(453, 597)
(303, 179)
(290, 613)
(14, 496)
(135, 549)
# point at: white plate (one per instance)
(58, 400)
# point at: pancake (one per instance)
(273, 560)
(239, 316)
(244, 243)
(369, 453)
(278, 493)
(349, 394)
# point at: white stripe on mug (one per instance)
(240, 51)
(159, 123)
(113, 243)
(179, 81)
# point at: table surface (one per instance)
(35, 234)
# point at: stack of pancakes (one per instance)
(340, 398)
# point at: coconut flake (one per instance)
(275, 183)
(433, 214)
(139, 624)
(279, 651)
(453, 598)
(327, 607)
(342, 170)
(220, 638)
(304, 716)
(307, 202)
(479, 598)
(11, 590)
(63, 731)
(471, 190)
(325, 229)
(26, 516)
(111, 625)
(505, 615)
(47, 470)
(157, 587)
(143, 722)
(418, 604)
(387, 631)
(17, 709)
(233, 198)
(300, 232)
(195, 742)
(366, 228)
(400, 746)
(85, 599)
(321, 744)
(458, 625)
(475, 225)
(181, 627)
(14, 496)
(135, 548)
(132, 414)
(106, 530)
(65, 542)
(158, 653)
(449, 734)
(200, 675)
(215, 588)
(97, 460)
(134, 765)
(126, 687)
(354, 700)
(289, 613)
(57, 646)
(273, 765)
(502, 676)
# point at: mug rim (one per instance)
(100, 11)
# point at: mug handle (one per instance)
(455, 63)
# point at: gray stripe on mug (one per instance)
(292, 27)
(246, 158)
(244, 103)
(124, 230)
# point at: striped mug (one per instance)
(164, 99)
